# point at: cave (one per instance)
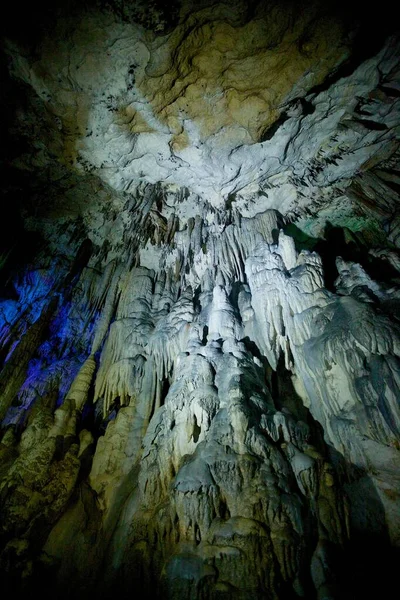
(199, 300)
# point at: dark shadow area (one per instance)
(269, 133)
(237, 287)
(371, 28)
(302, 240)
(165, 385)
(369, 561)
(17, 246)
(366, 566)
(196, 299)
(350, 246)
(370, 567)
(286, 397)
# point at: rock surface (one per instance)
(200, 375)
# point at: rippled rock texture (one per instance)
(199, 334)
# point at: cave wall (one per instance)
(199, 347)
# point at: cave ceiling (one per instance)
(224, 107)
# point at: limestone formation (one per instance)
(199, 326)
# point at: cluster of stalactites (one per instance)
(145, 314)
(142, 319)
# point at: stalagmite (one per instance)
(79, 389)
